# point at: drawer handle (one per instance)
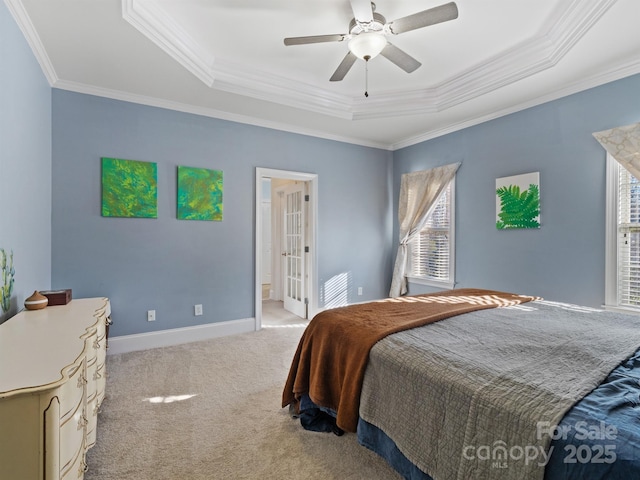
(82, 422)
(82, 468)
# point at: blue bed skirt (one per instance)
(598, 439)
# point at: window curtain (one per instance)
(623, 143)
(419, 192)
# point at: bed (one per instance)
(477, 384)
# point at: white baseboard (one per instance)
(175, 336)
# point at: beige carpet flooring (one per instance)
(211, 410)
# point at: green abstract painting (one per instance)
(518, 201)
(129, 188)
(199, 194)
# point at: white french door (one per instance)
(293, 251)
(266, 242)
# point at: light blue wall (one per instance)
(168, 264)
(25, 163)
(564, 260)
(50, 149)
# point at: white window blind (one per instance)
(431, 252)
(628, 233)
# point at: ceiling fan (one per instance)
(368, 31)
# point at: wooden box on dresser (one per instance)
(52, 382)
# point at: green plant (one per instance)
(8, 273)
(518, 209)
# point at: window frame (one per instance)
(450, 282)
(611, 300)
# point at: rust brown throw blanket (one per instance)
(333, 352)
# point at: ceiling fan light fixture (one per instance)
(367, 45)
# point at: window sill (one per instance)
(617, 308)
(432, 283)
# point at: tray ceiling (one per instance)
(227, 59)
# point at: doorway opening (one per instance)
(286, 244)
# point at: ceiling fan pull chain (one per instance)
(366, 76)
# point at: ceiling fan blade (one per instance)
(362, 10)
(443, 13)
(344, 67)
(314, 39)
(405, 61)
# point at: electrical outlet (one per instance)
(197, 309)
(359, 290)
(151, 315)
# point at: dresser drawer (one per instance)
(92, 419)
(101, 382)
(92, 378)
(101, 346)
(73, 391)
(75, 469)
(91, 344)
(72, 435)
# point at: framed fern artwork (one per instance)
(518, 201)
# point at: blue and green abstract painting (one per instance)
(129, 188)
(199, 194)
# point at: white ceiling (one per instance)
(227, 59)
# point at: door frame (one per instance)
(312, 218)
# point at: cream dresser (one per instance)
(52, 382)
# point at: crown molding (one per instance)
(547, 47)
(574, 22)
(534, 55)
(154, 23)
(266, 86)
(542, 51)
(617, 72)
(17, 10)
(209, 112)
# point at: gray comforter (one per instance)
(477, 396)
